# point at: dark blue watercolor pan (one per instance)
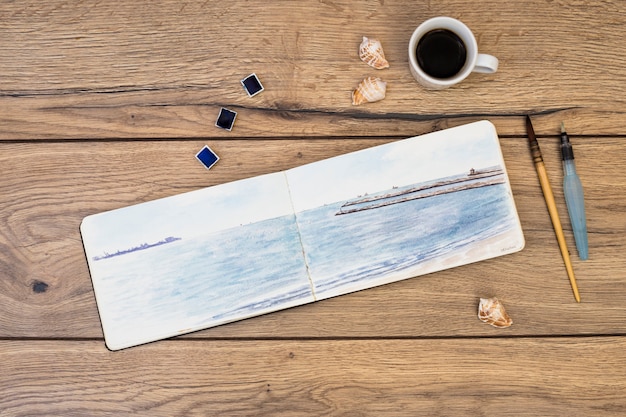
(226, 119)
(207, 157)
(252, 85)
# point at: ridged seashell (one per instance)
(371, 89)
(371, 52)
(491, 311)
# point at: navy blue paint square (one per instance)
(252, 85)
(226, 119)
(207, 157)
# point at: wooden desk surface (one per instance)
(104, 104)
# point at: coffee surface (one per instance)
(441, 53)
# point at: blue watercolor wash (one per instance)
(207, 157)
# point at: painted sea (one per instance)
(359, 250)
(258, 268)
(201, 282)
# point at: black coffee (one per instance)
(441, 53)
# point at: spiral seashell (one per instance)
(369, 90)
(491, 311)
(371, 52)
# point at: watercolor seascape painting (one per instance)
(267, 243)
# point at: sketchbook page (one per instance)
(404, 209)
(195, 260)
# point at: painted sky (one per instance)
(436, 155)
(189, 214)
(401, 163)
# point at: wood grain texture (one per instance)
(104, 105)
(45, 289)
(134, 70)
(518, 377)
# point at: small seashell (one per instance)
(371, 89)
(491, 311)
(371, 52)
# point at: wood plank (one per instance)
(121, 70)
(45, 289)
(518, 377)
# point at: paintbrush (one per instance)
(535, 152)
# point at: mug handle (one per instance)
(486, 64)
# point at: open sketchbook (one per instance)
(250, 247)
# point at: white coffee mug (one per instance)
(474, 62)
